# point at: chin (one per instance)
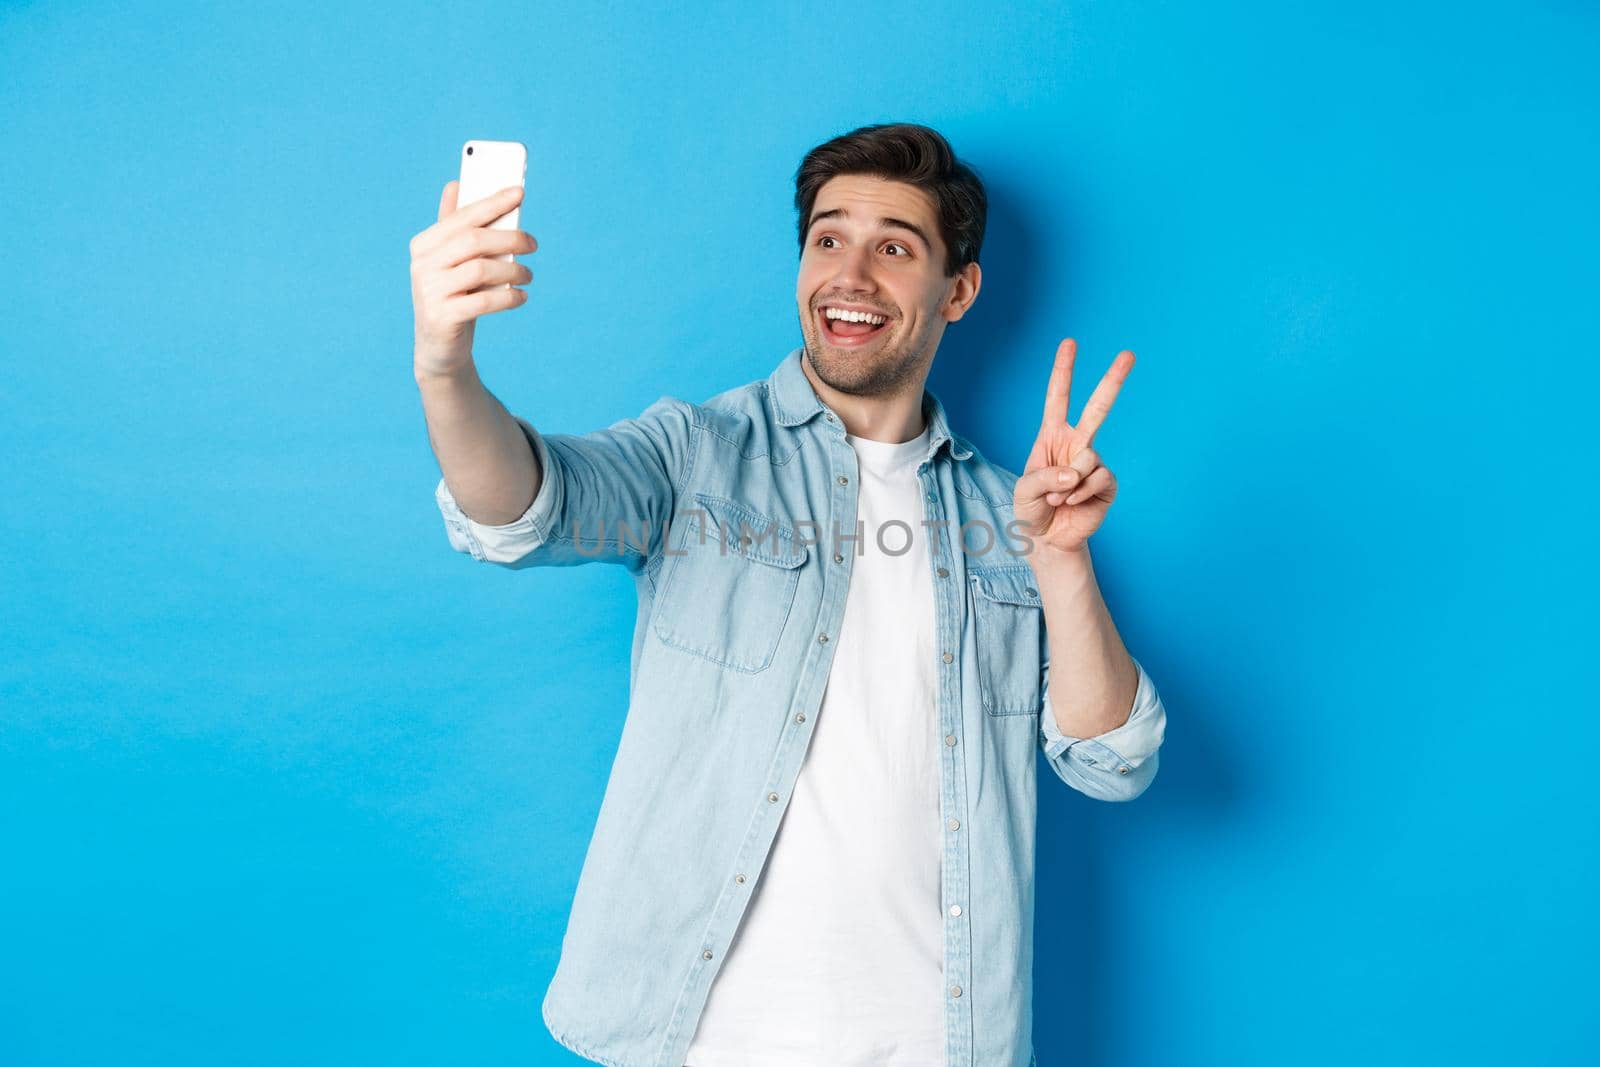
(877, 373)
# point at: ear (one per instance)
(963, 291)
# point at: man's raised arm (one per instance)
(510, 494)
(487, 461)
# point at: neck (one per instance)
(894, 419)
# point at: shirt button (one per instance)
(706, 955)
(822, 639)
(1122, 769)
(838, 558)
(1031, 591)
(950, 739)
(948, 658)
(830, 417)
(773, 797)
(800, 717)
(843, 480)
(943, 573)
(955, 909)
(933, 498)
(739, 878)
(955, 824)
(955, 991)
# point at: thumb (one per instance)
(1043, 480)
(447, 200)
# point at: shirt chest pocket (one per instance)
(729, 583)
(1008, 631)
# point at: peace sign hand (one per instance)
(1065, 491)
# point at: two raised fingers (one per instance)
(1059, 390)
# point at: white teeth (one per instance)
(853, 316)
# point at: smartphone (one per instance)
(486, 168)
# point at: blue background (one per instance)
(283, 779)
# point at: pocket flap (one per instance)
(749, 533)
(1008, 585)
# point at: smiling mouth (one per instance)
(850, 334)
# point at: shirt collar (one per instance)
(794, 401)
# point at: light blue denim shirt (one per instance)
(737, 519)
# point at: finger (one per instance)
(1054, 499)
(477, 214)
(1045, 480)
(1102, 483)
(488, 209)
(479, 273)
(1085, 462)
(482, 242)
(485, 302)
(1060, 387)
(1098, 406)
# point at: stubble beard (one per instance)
(884, 371)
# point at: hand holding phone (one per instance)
(462, 266)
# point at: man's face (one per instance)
(874, 245)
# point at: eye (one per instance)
(904, 251)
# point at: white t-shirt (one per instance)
(839, 959)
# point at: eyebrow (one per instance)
(883, 223)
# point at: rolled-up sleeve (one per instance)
(604, 496)
(1118, 764)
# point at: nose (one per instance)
(854, 274)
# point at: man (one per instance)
(816, 844)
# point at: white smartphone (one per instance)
(488, 167)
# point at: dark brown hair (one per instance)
(903, 152)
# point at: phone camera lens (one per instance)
(469, 150)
